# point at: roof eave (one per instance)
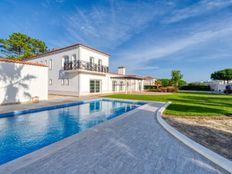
(65, 48)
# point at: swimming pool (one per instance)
(26, 131)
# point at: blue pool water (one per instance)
(26, 132)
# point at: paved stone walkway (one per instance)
(134, 143)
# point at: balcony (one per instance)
(83, 65)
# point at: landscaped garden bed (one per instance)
(205, 118)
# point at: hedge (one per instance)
(149, 87)
(196, 87)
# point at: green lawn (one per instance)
(189, 104)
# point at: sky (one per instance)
(148, 37)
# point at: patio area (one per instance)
(52, 100)
(132, 143)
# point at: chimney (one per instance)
(122, 70)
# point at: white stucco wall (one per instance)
(85, 55)
(21, 82)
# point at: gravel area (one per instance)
(214, 133)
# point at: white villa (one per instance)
(148, 80)
(80, 70)
(218, 85)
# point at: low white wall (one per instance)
(21, 82)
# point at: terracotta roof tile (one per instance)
(21, 62)
(148, 78)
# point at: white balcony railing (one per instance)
(83, 65)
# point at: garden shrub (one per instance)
(171, 89)
(163, 89)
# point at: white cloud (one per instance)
(137, 58)
(110, 26)
(203, 7)
(47, 3)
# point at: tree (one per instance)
(182, 83)
(19, 46)
(225, 75)
(158, 83)
(165, 82)
(176, 78)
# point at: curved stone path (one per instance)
(133, 143)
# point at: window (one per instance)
(74, 58)
(95, 86)
(66, 59)
(121, 86)
(99, 65)
(65, 82)
(50, 64)
(92, 86)
(46, 62)
(127, 85)
(74, 61)
(50, 81)
(91, 60)
(99, 62)
(114, 84)
(140, 86)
